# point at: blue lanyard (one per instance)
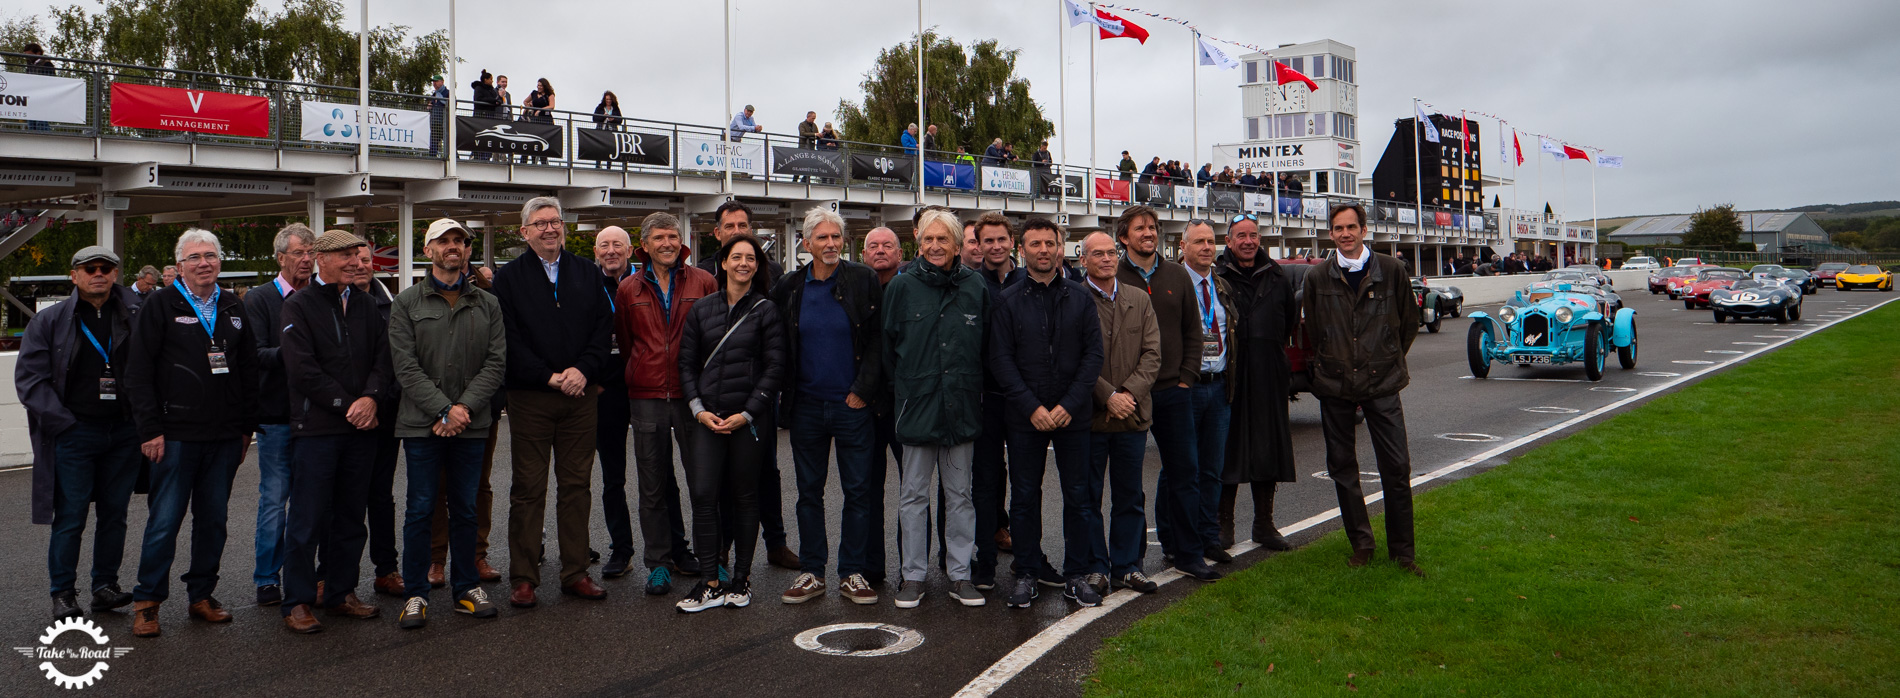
(1207, 304)
(209, 322)
(105, 352)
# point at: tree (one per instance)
(1716, 227)
(304, 42)
(971, 96)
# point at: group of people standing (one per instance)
(971, 371)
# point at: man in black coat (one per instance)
(559, 324)
(1045, 349)
(263, 307)
(191, 378)
(336, 360)
(1259, 448)
(383, 553)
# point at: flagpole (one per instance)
(1273, 137)
(362, 94)
(449, 109)
(1593, 206)
(1464, 162)
(725, 142)
(1062, 110)
(1095, 37)
(920, 102)
(1418, 169)
(1194, 97)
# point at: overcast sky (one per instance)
(1762, 104)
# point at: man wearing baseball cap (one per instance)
(448, 348)
(85, 450)
(336, 355)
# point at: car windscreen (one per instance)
(1832, 266)
(1863, 269)
(1719, 274)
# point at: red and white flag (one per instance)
(1576, 154)
(1283, 75)
(1117, 28)
(1517, 147)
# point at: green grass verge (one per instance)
(1739, 537)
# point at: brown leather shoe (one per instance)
(523, 596)
(1412, 567)
(781, 556)
(319, 591)
(485, 572)
(145, 618)
(209, 610)
(585, 588)
(1359, 558)
(438, 576)
(390, 585)
(301, 621)
(1003, 543)
(353, 607)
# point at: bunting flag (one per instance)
(1517, 147)
(1614, 162)
(1212, 55)
(1285, 75)
(1431, 131)
(1464, 131)
(1549, 146)
(1117, 28)
(1576, 154)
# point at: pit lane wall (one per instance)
(15, 447)
(1485, 290)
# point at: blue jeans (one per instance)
(815, 424)
(1118, 456)
(1211, 413)
(1028, 458)
(1178, 489)
(329, 502)
(428, 457)
(198, 475)
(94, 462)
(273, 494)
(989, 485)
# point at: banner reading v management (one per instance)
(479, 134)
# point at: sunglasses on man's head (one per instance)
(1244, 217)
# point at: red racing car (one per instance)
(1695, 294)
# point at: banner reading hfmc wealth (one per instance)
(42, 98)
(701, 153)
(338, 123)
(1006, 180)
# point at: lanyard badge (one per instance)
(108, 386)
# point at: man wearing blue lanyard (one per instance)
(1209, 398)
(191, 382)
(613, 251)
(262, 308)
(84, 447)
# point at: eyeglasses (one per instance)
(555, 224)
(1200, 221)
(1243, 217)
(303, 254)
(200, 258)
(96, 269)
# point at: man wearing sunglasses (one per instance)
(85, 450)
(1259, 444)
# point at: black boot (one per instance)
(1264, 532)
(1227, 495)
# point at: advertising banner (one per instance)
(338, 123)
(1408, 216)
(1314, 208)
(199, 111)
(1049, 186)
(703, 153)
(1154, 194)
(1111, 189)
(42, 98)
(950, 175)
(485, 135)
(1289, 206)
(810, 163)
(1006, 180)
(1441, 219)
(1321, 153)
(1190, 196)
(1458, 220)
(883, 169)
(1226, 200)
(632, 147)
(1258, 203)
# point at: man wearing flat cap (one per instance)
(85, 449)
(335, 350)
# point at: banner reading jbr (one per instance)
(201, 111)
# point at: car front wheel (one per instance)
(1478, 349)
(1593, 345)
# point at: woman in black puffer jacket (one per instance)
(732, 359)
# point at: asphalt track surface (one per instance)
(633, 644)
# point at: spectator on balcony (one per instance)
(930, 140)
(539, 108)
(807, 138)
(1205, 176)
(1126, 167)
(742, 124)
(828, 138)
(1041, 160)
(1148, 173)
(439, 97)
(39, 64)
(1009, 153)
(993, 155)
(607, 117)
(1247, 179)
(964, 157)
(482, 93)
(908, 139)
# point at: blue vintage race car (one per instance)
(1551, 326)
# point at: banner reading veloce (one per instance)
(499, 136)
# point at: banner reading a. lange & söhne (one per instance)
(811, 163)
(499, 136)
(883, 169)
(42, 98)
(200, 111)
(633, 147)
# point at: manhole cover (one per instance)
(859, 639)
(1481, 438)
(1658, 374)
(1550, 410)
(1364, 476)
(1612, 389)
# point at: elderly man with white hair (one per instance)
(613, 252)
(831, 306)
(191, 377)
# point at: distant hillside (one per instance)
(1860, 210)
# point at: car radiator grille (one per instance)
(1536, 330)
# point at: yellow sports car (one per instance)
(1863, 276)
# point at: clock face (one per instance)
(1290, 98)
(1348, 96)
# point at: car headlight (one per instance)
(1562, 315)
(1507, 314)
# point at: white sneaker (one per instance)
(702, 597)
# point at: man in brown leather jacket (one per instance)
(1362, 318)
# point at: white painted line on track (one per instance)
(1534, 380)
(1027, 653)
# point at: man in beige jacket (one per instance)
(1131, 352)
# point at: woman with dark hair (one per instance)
(606, 118)
(732, 358)
(539, 108)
